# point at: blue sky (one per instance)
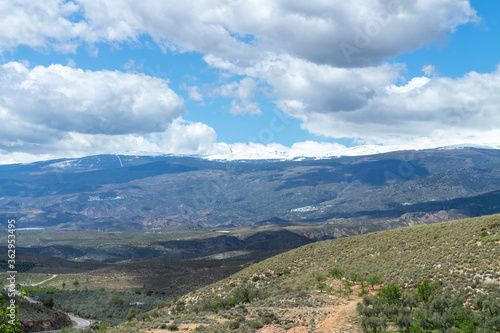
(473, 47)
(246, 79)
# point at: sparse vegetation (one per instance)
(109, 307)
(435, 311)
(417, 280)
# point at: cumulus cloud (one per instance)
(429, 70)
(337, 33)
(372, 106)
(322, 62)
(40, 24)
(243, 94)
(65, 99)
(302, 87)
(426, 112)
(44, 109)
(181, 137)
(193, 92)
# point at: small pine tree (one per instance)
(425, 289)
(373, 280)
(347, 288)
(48, 302)
(131, 314)
(390, 293)
(355, 277)
(336, 273)
(363, 291)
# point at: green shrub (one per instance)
(336, 273)
(163, 305)
(116, 300)
(254, 324)
(425, 289)
(131, 315)
(373, 280)
(172, 327)
(234, 325)
(355, 277)
(48, 302)
(244, 293)
(390, 294)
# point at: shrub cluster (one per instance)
(426, 309)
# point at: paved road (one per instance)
(80, 322)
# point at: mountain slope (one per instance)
(112, 192)
(459, 255)
(460, 251)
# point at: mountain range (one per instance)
(117, 192)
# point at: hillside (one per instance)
(460, 256)
(110, 192)
(36, 318)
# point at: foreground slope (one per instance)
(459, 255)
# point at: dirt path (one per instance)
(39, 283)
(339, 320)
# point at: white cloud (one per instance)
(427, 112)
(321, 61)
(243, 94)
(71, 63)
(318, 31)
(193, 93)
(46, 107)
(40, 24)
(66, 99)
(415, 83)
(302, 87)
(181, 137)
(368, 105)
(429, 70)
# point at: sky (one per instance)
(246, 79)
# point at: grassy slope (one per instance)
(461, 253)
(455, 250)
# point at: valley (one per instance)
(175, 233)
